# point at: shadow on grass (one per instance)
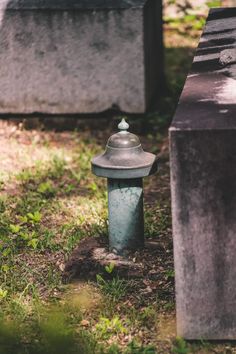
(51, 335)
(54, 334)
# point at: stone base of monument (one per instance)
(79, 56)
(203, 181)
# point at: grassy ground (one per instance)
(49, 203)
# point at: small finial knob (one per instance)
(123, 126)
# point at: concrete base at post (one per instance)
(125, 205)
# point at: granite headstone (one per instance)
(79, 56)
(203, 183)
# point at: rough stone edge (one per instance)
(70, 4)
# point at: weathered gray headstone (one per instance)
(203, 181)
(79, 56)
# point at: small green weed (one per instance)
(135, 348)
(2, 204)
(35, 217)
(23, 234)
(106, 328)
(170, 273)
(110, 267)
(69, 188)
(46, 189)
(3, 294)
(203, 346)
(180, 346)
(169, 306)
(14, 228)
(148, 316)
(114, 289)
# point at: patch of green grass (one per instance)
(115, 288)
(168, 306)
(52, 334)
(38, 221)
(106, 328)
(157, 220)
(148, 316)
(135, 348)
(190, 19)
(180, 346)
(46, 189)
(52, 169)
(49, 331)
(170, 273)
(214, 3)
(206, 346)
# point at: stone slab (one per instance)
(203, 183)
(71, 4)
(79, 56)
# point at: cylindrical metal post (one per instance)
(125, 206)
(124, 164)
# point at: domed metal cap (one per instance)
(124, 157)
(123, 139)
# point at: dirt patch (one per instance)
(92, 255)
